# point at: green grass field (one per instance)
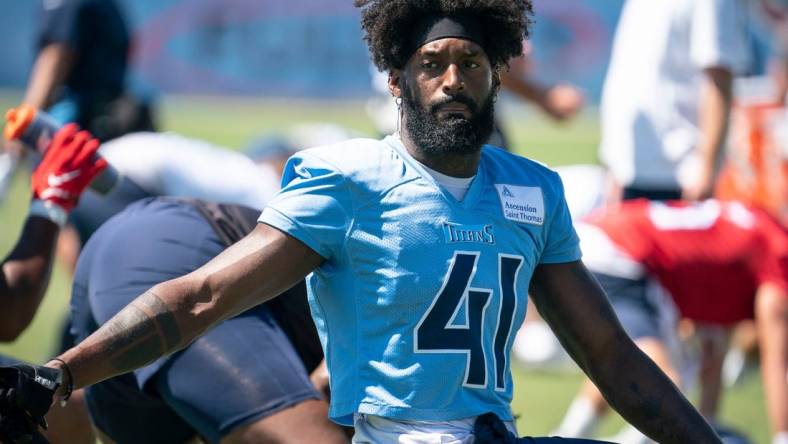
(540, 398)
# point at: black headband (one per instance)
(436, 27)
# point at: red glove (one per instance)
(69, 165)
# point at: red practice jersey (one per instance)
(711, 256)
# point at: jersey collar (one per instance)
(474, 192)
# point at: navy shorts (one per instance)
(629, 193)
(94, 209)
(637, 313)
(244, 369)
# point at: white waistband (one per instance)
(371, 429)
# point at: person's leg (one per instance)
(68, 247)
(126, 415)
(243, 371)
(243, 382)
(742, 352)
(713, 347)
(70, 424)
(124, 258)
(305, 422)
(584, 414)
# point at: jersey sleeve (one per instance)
(314, 205)
(718, 35)
(60, 23)
(562, 244)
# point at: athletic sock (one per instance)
(780, 438)
(630, 435)
(580, 421)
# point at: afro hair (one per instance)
(386, 24)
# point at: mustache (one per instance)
(463, 99)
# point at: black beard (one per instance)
(453, 135)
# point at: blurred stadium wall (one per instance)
(296, 48)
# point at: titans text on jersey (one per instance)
(420, 295)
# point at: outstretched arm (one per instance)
(560, 101)
(65, 171)
(172, 314)
(51, 68)
(25, 276)
(577, 310)
(714, 116)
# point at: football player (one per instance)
(420, 248)
(718, 263)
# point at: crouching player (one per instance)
(720, 263)
(175, 399)
(245, 381)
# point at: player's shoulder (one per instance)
(373, 163)
(520, 170)
(351, 153)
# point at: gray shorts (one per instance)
(636, 309)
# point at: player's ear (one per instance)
(496, 81)
(394, 83)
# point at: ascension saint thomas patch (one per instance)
(522, 204)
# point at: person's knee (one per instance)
(305, 422)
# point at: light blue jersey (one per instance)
(420, 295)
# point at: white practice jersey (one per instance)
(650, 100)
(168, 164)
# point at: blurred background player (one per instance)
(666, 99)
(80, 73)
(186, 230)
(719, 263)
(57, 182)
(756, 169)
(245, 381)
(756, 163)
(775, 14)
(168, 164)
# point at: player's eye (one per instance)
(472, 64)
(429, 64)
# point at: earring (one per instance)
(398, 101)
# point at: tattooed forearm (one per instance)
(140, 333)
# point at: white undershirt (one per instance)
(171, 165)
(456, 186)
